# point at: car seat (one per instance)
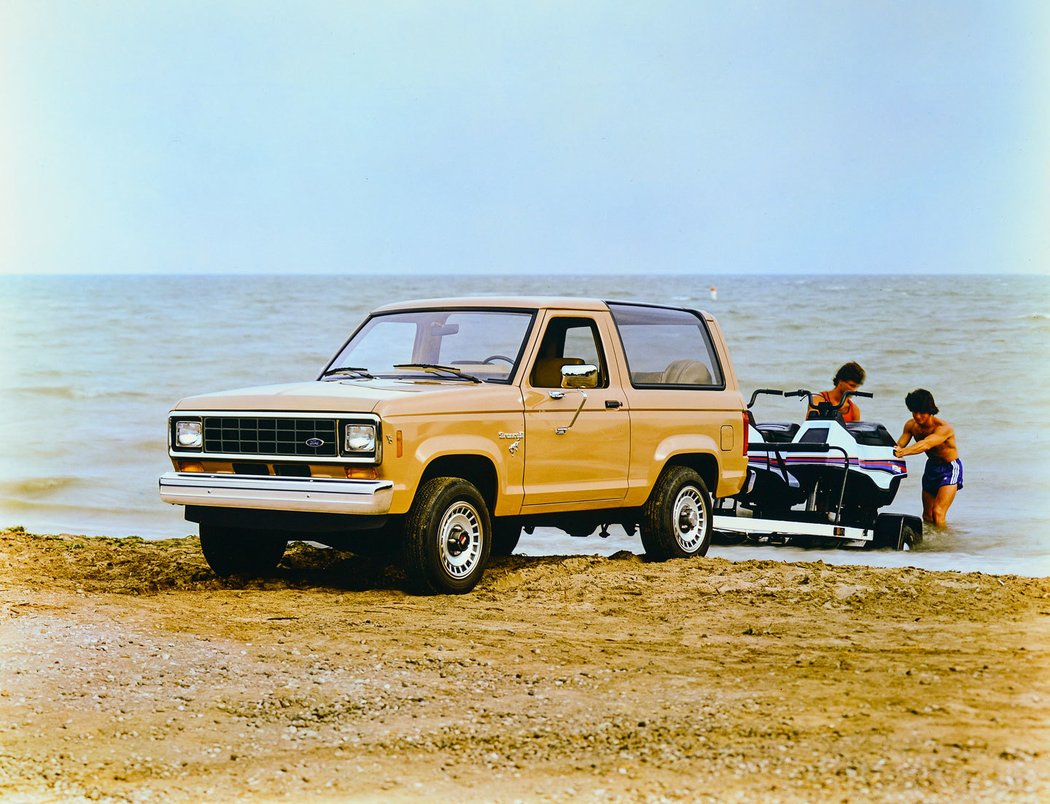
(686, 372)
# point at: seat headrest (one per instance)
(687, 372)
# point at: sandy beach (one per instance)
(130, 673)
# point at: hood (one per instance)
(344, 396)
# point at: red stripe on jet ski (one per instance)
(892, 467)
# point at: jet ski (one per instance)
(818, 483)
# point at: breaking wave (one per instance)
(76, 393)
(38, 486)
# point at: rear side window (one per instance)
(667, 347)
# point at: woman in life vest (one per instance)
(849, 377)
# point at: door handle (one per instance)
(612, 404)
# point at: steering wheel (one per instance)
(490, 358)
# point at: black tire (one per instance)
(448, 537)
(238, 551)
(896, 532)
(505, 536)
(912, 536)
(676, 519)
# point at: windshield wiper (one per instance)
(435, 367)
(361, 372)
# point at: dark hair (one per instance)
(921, 401)
(851, 372)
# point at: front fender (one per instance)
(503, 448)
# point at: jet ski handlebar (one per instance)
(812, 398)
(770, 391)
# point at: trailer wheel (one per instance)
(912, 537)
(448, 537)
(676, 519)
(896, 532)
(239, 551)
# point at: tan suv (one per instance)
(443, 428)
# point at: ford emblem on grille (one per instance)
(315, 442)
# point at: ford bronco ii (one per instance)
(443, 428)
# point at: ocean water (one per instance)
(91, 366)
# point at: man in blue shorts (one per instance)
(944, 471)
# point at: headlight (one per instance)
(360, 438)
(189, 435)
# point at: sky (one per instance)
(524, 137)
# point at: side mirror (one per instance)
(584, 376)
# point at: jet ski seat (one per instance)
(871, 434)
(778, 432)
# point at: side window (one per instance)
(666, 347)
(568, 341)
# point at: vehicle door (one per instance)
(577, 441)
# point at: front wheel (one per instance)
(676, 519)
(238, 551)
(448, 537)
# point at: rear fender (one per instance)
(701, 453)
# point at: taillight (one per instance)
(744, 439)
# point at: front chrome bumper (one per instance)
(277, 493)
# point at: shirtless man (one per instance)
(944, 471)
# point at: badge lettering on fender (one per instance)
(513, 448)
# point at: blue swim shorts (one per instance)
(941, 473)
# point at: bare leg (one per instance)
(927, 506)
(935, 506)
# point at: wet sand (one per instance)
(129, 672)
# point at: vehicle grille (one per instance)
(242, 435)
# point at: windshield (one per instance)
(476, 344)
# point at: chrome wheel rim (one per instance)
(459, 539)
(690, 519)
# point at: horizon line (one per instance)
(387, 274)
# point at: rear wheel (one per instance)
(448, 537)
(239, 551)
(676, 519)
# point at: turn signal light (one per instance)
(190, 466)
(362, 472)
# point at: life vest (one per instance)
(849, 411)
